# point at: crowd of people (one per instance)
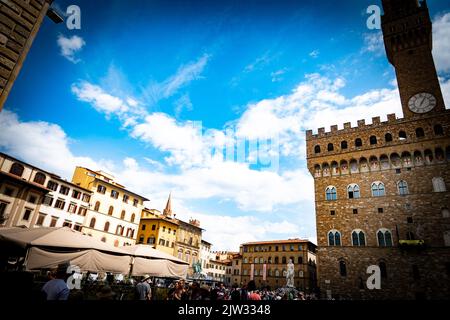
(142, 288)
(180, 290)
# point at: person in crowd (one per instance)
(56, 288)
(143, 289)
(106, 293)
(253, 294)
(235, 293)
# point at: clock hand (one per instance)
(421, 103)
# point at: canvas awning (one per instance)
(55, 238)
(86, 260)
(145, 251)
(159, 268)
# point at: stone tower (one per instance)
(382, 189)
(408, 41)
(19, 24)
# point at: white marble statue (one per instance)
(290, 274)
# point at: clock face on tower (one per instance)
(422, 102)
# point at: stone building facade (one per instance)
(381, 189)
(265, 262)
(20, 21)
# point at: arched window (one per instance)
(378, 189)
(277, 273)
(384, 237)
(358, 142)
(342, 268)
(261, 260)
(283, 260)
(97, 206)
(317, 149)
(402, 135)
(92, 223)
(402, 187)
(388, 137)
(438, 130)
(106, 228)
(344, 145)
(353, 191)
(110, 210)
(334, 238)
(330, 193)
(255, 260)
(420, 133)
(119, 230)
(358, 238)
(276, 260)
(373, 140)
(439, 184)
(300, 260)
(330, 147)
(39, 178)
(17, 169)
(103, 239)
(383, 269)
(122, 215)
(133, 216)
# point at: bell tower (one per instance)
(407, 33)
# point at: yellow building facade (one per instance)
(157, 230)
(114, 212)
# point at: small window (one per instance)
(143, 227)
(353, 191)
(402, 135)
(317, 149)
(384, 237)
(439, 184)
(334, 238)
(330, 147)
(39, 178)
(97, 206)
(373, 140)
(388, 137)
(438, 130)
(402, 188)
(106, 228)
(153, 227)
(40, 220)
(52, 185)
(420, 133)
(135, 202)
(122, 215)
(64, 190)
(27, 214)
(17, 169)
(358, 142)
(342, 268)
(378, 189)
(332, 212)
(110, 210)
(92, 223)
(383, 269)
(133, 216)
(114, 194)
(380, 210)
(101, 189)
(409, 220)
(355, 211)
(358, 238)
(330, 193)
(344, 145)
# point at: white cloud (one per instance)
(184, 75)
(70, 46)
(374, 43)
(441, 43)
(314, 54)
(183, 103)
(98, 98)
(40, 143)
(277, 76)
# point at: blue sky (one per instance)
(126, 92)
